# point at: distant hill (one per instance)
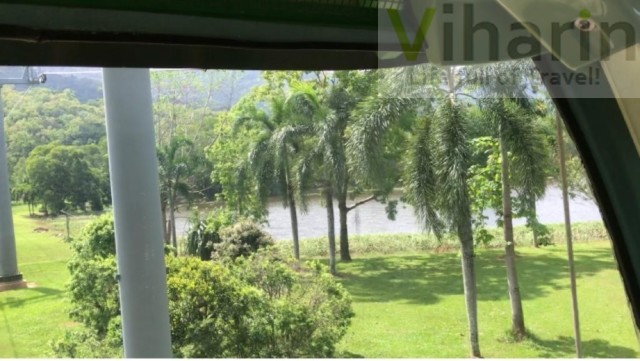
(86, 83)
(85, 89)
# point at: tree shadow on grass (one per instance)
(426, 278)
(347, 354)
(28, 296)
(418, 279)
(564, 346)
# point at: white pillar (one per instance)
(133, 166)
(8, 261)
(569, 237)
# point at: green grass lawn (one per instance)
(406, 305)
(412, 305)
(31, 317)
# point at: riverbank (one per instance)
(371, 217)
(382, 244)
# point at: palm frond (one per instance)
(452, 157)
(420, 178)
(531, 157)
(513, 79)
(374, 117)
(304, 101)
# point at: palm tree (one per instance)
(524, 157)
(317, 168)
(273, 154)
(437, 170)
(502, 113)
(174, 169)
(329, 102)
(342, 96)
(314, 169)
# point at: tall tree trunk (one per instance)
(172, 215)
(517, 315)
(331, 230)
(294, 221)
(465, 235)
(343, 210)
(165, 226)
(536, 243)
(567, 225)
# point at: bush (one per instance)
(258, 306)
(84, 343)
(261, 305)
(92, 289)
(241, 239)
(97, 240)
(204, 233)
(309, 312)
(211, 311)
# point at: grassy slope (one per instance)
(411, 306)
(405, 305)
(29, 318)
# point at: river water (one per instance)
(371, 217)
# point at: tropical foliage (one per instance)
(457, 141)
(263, 304)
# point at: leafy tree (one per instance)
(183, 102)
(25, 193)
(485, 186)
(311, 310)
(238, 186)
(486, 189)
(61, 176)
(42, 116)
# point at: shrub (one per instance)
(97, 240)
(84, 343)
(241, 239)
(92, 288)
(261, 305)
(203, 233)
(212, 313)
(309, 312)
(93, 291)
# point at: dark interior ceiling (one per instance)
(249, 34)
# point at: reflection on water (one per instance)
(371, 217)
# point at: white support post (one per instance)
(133, 166)
(569, 237)
(8, 260)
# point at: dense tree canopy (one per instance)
(67, 177)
